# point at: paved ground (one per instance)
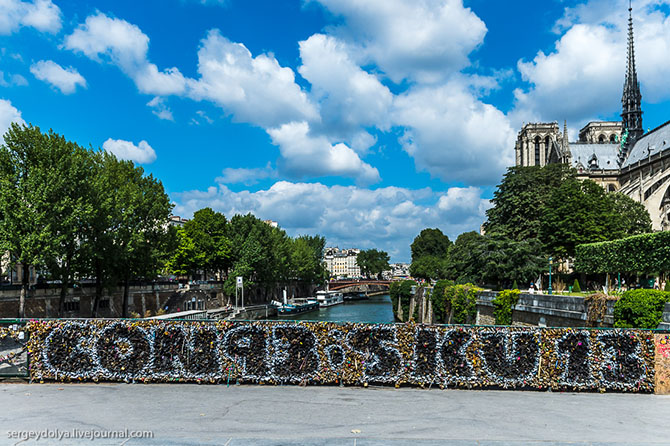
(182, 414)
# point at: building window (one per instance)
(71, 306)
(613, 138)
(601, 139)
(537, 150)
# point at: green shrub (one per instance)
(667, 285)
(575, 287)
(461, 303)
(515, 286)
(503, 306)
(640, 309)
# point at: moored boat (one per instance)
(299, 306)
(329, 298)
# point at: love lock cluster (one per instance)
(348, 354)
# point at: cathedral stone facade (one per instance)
(618, 155)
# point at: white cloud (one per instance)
(583, 77)
(387, 218)
(453, 135)
(349, 97)
(142, 153)
(160, 109)
(256, 90)
(8, 114)
(246, 176)
(42, 15)
(126, 46)
(306, 155)
(65, 79)
(423, 40)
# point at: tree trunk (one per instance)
(98, 288)
(126, 292)
(25, 278)
(65, 281)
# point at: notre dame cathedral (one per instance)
(617, 155)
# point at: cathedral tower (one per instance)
(631, 113)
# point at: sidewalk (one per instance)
(185, 414)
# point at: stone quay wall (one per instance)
(325, 353)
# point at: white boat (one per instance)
(329, 298)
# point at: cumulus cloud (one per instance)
(307, 155)
(105, 38)
(8, 114)
(42, 15)
(423, 40)
(349, 97)
(256, 90)
(386, 218)
(453, 135)
(582, 78)
(142, 153)
(159, 108)
(65, 79)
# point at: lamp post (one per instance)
(550, 260)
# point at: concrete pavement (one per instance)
(185, 414)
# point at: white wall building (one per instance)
(342, 262)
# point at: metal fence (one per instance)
(14, 349)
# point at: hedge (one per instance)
(646, 253)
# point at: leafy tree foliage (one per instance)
(30, 198)
(461, 303)
(582, 212)
(520, 200)
(430, 242)
(428, 268)
(549, 204)
(372, 262)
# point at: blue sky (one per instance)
(363, 121)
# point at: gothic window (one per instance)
(537, 150)
(613, 138)
(601, 139)
(547, 150)
(611, 188)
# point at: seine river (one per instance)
(376, 309)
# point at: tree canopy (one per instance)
(372, 262)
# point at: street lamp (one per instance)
(550, 260)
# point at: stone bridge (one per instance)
(359, 286)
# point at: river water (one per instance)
(376, 309)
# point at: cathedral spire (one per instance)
(631, 113)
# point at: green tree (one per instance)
(307, 259)
(428, 268)
(519, 201)
(29, 198)
(581, 212)
(430, 242)
(465, 262)
(372, 262)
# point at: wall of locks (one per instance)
(349, 354)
